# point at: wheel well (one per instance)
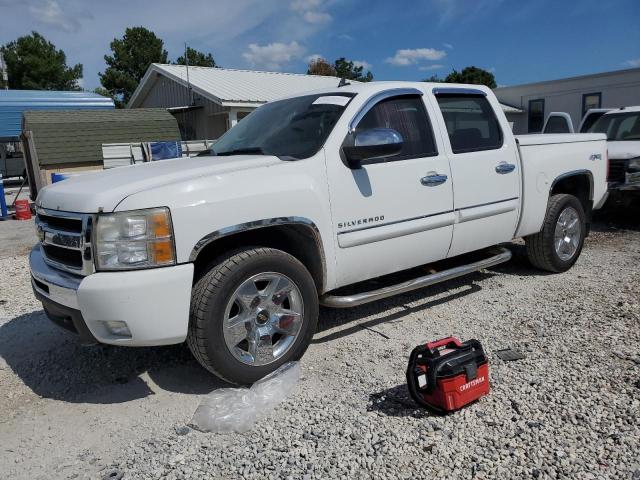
(580, 185)
(300, 241)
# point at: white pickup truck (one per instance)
(234, 251)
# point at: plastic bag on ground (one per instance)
(237, 409)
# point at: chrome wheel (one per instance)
(263, 318)
(567, 234)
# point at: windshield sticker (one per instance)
(332, 100)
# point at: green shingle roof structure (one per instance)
(76, 136)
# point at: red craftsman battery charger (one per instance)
(447, 374)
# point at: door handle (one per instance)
(432, 179)
(504, 167)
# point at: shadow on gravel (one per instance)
(54, 365)
(396, 402)
(617, 217)
(330, 318)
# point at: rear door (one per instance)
(484, 166)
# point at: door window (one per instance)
(471, 123)
(591, 100)
(407, 116)
(536, 116)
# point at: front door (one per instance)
(397, 212)
(485, 169)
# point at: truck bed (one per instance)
(548, 157)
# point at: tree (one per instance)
(346, 69)
(196, 59)
(434, 78)
(320, 66)
(132, 55)
(34, 63)
(474, 75)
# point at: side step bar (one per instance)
(336, 301)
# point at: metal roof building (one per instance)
(574, 95)
(14, 102)
(208, 101)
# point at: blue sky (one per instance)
(519, 41)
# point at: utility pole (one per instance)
(186, 62)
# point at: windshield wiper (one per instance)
(243, 151)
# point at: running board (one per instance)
(336, 301)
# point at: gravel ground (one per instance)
(570, 409)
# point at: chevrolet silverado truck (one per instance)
(622, 128)
(301, 204)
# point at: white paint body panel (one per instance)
(476, 207)
(545, 157)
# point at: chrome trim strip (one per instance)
(62, 286)
(500, 255)
(458, 91)
(395, 222)
(487, 204)
(267, 222)
(488, 210)
(393, 92)
(389, 232)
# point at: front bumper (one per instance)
(153, 303)
(630, 184)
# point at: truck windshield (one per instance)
(290, 129)
(618, 126)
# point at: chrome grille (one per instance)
(66, 240)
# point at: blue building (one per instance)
(14, 102)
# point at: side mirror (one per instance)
(370, 144)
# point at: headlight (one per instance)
(634, 164)
(134, 239)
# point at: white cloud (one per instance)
(317, 18)
(633, 63)
(413, 56)
(274, 55)
(51, 13)
(448, 45)
(345, 36)
(362, 63)
(313, 57)
(311, 11)
(435, 66)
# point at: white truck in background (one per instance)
(233, 251)
(622, 128)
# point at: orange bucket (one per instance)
(23, 210)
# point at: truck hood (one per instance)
(104, 190)
(623, 150)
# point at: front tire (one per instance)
(558, 245)
(254, 310)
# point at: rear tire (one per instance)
(558, 245)
(253, 310)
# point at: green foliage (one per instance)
(473, 75)
(33, 63)
(321, 67)
(132, 55)
(346, 69)
(434, 78)
(196, 59)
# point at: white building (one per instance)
(208, 101)
(573, 95)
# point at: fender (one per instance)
(575, 173)
(258, 224)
